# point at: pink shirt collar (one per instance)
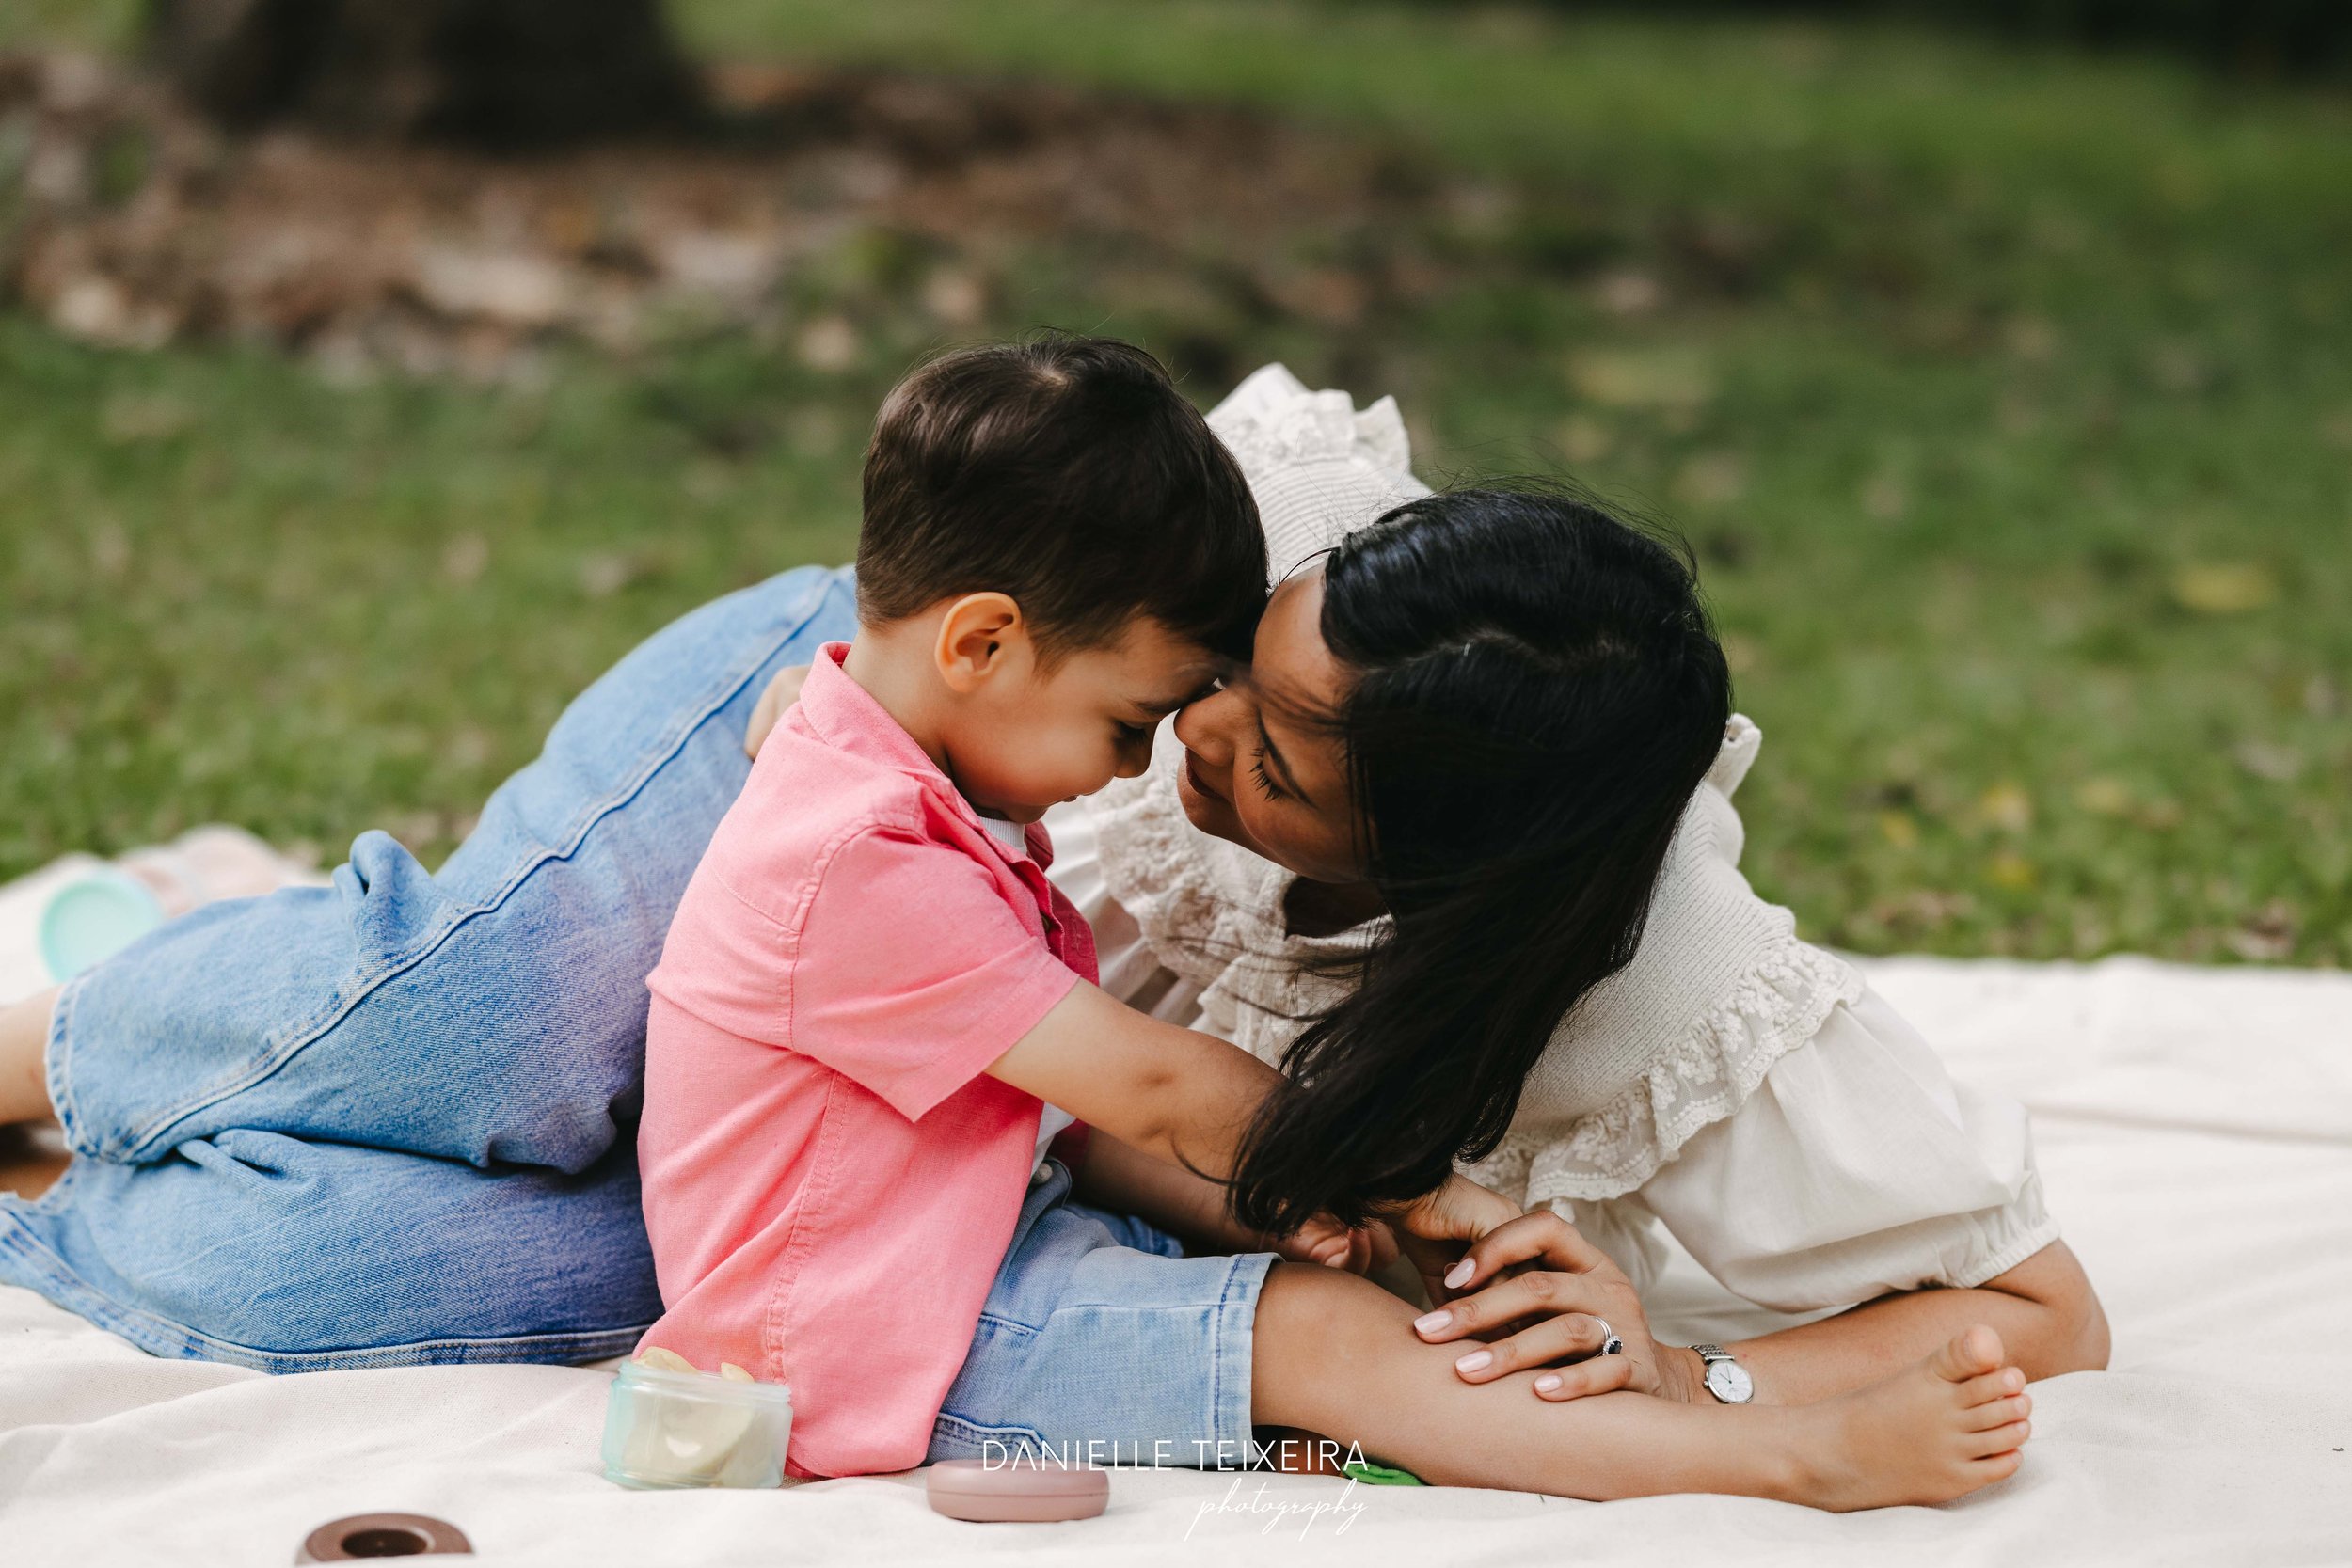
(845, 716)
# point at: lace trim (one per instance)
(1317, 427)
(1703, 1080)
(1319, 467)
(1505, 1170)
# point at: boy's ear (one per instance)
(980, 634)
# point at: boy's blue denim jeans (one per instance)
(393, 1121)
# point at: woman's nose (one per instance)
(1207, 727)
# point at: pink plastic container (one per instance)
(1017, 1493)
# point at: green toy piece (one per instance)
(1379, 1475)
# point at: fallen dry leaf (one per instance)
(2223, 588)
(1659, 378)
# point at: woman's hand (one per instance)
(1563, 1303)
(1434, 1231)
(782, 693)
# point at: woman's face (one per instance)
(1258, 773)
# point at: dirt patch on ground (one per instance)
(126, 221)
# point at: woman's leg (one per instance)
(24, 1043)
(1336, 1355)
(287, 1256)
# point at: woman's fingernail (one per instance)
(1548, 1383)
(1431, 1323)
(1476, 1361)
(1459, 1275)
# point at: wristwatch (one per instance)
(1726, 1379)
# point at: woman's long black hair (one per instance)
(1537, 692)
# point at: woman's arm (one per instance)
(2044, 1310)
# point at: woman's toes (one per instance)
(2000, 1439)
(1996, 1413)
(2000, 1466)
(1970, 1354)
(1992, 1386)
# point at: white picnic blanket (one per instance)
(2195, 1127)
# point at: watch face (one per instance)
(1729, 1382)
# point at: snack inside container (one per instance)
(667, 1428)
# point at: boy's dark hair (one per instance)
(1070, 473)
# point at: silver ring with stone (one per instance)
(1609, 1343)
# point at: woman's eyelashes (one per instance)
(1266, 785)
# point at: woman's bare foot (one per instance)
(1940, 1429)
(23, 1046)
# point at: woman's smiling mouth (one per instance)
(1194, 778)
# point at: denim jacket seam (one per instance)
(1011, 1325)
(58, 1054)
(987, 1429)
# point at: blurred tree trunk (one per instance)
(505, 73)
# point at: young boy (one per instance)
(872, 1001)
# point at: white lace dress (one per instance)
(1739, 1087)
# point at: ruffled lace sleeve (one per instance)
(1858, 1167)
(1319, 467)
(1710, 1074)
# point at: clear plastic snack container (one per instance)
(668, 1425)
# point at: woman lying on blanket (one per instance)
(381, 1124)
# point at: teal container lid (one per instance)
(93, 918)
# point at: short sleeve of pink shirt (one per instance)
(914, 974)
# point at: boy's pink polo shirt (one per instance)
(831, 1180)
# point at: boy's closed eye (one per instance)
(1137, 728)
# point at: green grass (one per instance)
(102, 25)
(2007, 398)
